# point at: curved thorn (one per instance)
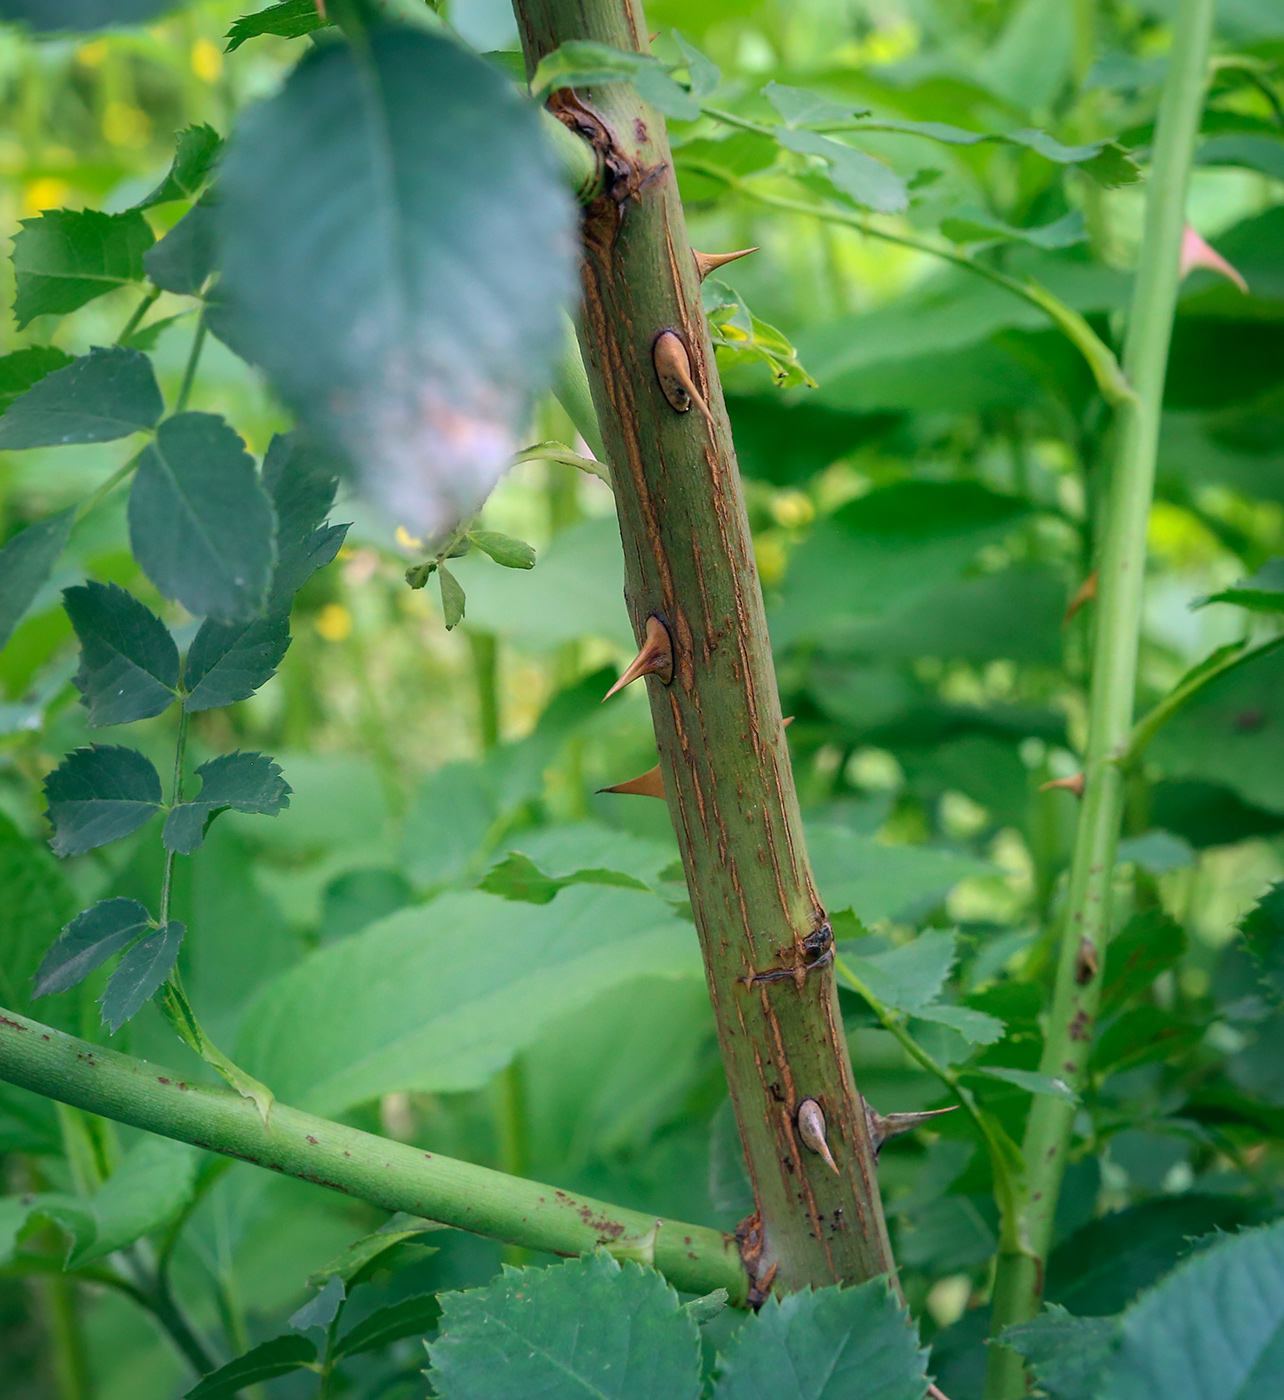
(655, 658)
(1087, 592)
(811, 1128)
(890, 1125)
(1074, 784)
(710, 262)
(648, 784)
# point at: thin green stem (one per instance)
(1018, 1284)
(193, 360)
(485, 650)
(392, 1175)
(155, 1294)
(149, 300)
(68, 1355)
(113, 481)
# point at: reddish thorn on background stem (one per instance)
(655, 658)
(710, 262)
(1086, 594)
(1074, 784)
(1196, 253)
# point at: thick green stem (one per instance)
(725, 761)
(389, 1174)
(1019, 1283)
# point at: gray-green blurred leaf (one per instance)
(869, 182)
(321, 1309)
(1031, 1082)
(26, 561)
(453, 600)
(185, 257)
(152, 1182)
(1067, 1355)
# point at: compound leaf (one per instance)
(88, 941)
(244, 782)
(98, 794)
(128, 660)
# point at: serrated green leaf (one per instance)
(183, 260)
(98, 794)
(67, 257)
(411, 1317)
(107, 394)
(20, 369)
(301, 482)
(452, 597)
(1213, 1329)
(910, 977)
(128, 660)
(262, 1363)
(976, 1027)
(518, 877)
(26, 561)
(1067, 1355)
(586, 1327)
(869, 182)
(504, 549)
(443, 316)
(229, 661)
(244, 782)
(1031, 1082)
(197, 150)
(1262, 930)
(586, 63)
(322, 1309)
(296, 563)
(141, 972)
(200, 523)
(88, 941)
(290, 19)
(832, 1344)
(705, 1309)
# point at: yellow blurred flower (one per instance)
(207, 61)
(334, 622)
(406, 540)
(770, 554)
(48, 192)
(792, 509)
(124, 125)
(92, 54)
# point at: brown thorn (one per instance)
(934, 1392)
(655, 658)
(1086, 594)
(648, 784)
(710, 262)
(882, 1127)
(673, 370)
(811, 1128)
(1074, 784)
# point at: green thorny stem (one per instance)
(392, 1175)
(1019, 1277)
(725, 762)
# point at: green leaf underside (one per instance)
(291, 19)
(128, 660)
(834, 1344)
(444, 313)
(26, 561)
(107, 394)
(580, 63)
(20, 369)
(67, 257)
(98, 794)
(1031, 1082)
(88, 941)
(453, 601)
(197, 149)
(244, 782)
(200, 523)
(262, 1363)
(411, 1317)
(868, 182)
(141, 972)
(587, 1327)
(503, 549)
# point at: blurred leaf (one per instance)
(200, 524)
(26, 561)
(149, 1186)
(98, 794)
(71, 1214)
(243, 782)
(799, 107)
(832, 1344)
(372, 1253)
(140, 974)
(585, 63)
(296, 563)
(976, 1027)
(1029, 63)
(185, 257)
(587, 1326)
(518, 877)
(704, 73)
(444, 316)
(975, 225)
(503, 549)
(911, 976)
(1157, 851)
(1032, 1083)
(1067, 1355)
(229, 661)
(196, 151)
(88, 941)
(438, 997)
(1148, 944)
(322, 1309)
(128, 660)
(452, 597)
(878, 881)
(20, 369)
(748, 338)
(1262, 930)
(1214, 1327)
(37, 903)
(410, 1317)
(705, 1309)
(949, 1233)
(1140, 1037)
(1261, 153)
(1264, 592)
(67, 257)
(290, 19)
(262, 1363)
(104, 395)
(869, 182)
(360, 897)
